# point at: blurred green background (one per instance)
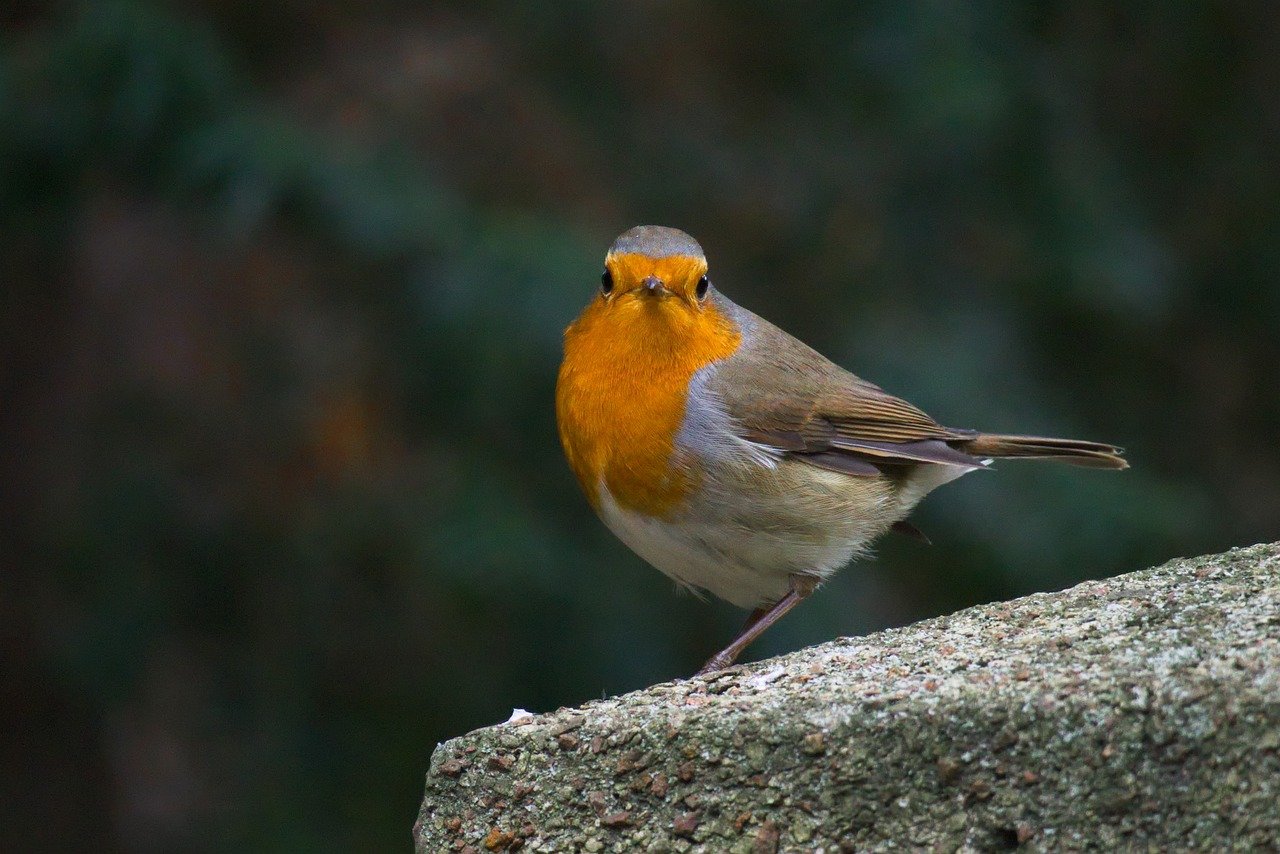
(283, 288)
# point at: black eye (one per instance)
(606, 282)
(701, 290)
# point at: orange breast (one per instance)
(621, 395)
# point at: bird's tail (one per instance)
(1077, 453)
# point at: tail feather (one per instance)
(1089, 454)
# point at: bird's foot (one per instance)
(716, 663)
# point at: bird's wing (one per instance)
(784, 394)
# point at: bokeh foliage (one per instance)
(283, 290)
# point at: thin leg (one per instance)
(760, 620)
(756, 616)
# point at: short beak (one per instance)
(654, 287)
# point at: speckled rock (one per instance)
(1137, 712)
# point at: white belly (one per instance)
(743, 544)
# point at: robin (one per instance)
(733, 457)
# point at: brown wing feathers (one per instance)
(875, 429)
(867, 429)
(787, 395)
(859, 446)
(844, 450)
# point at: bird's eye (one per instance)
(701, 290)
(606, 282)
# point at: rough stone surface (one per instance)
(1137, 712)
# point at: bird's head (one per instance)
(656, 270)
(655, 308)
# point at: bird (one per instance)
(733, 457)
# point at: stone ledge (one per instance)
(1138, 710)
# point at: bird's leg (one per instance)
(758, 622)
(754, 617)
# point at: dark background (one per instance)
(283, 288)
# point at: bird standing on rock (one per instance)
(730, 455)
